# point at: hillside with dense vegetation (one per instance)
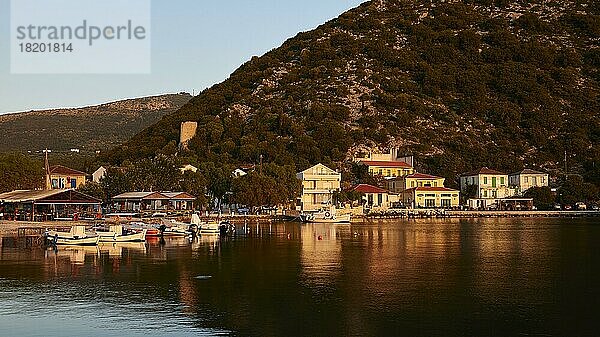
(459, 84)
(89, 129)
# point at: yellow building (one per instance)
(431, 197)
(375, 197)
(62, 177)
(388, 168)
(400, 184)
(318, 185)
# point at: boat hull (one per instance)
(64, 241)
(345, 219)
(114, 237)
(210, 229)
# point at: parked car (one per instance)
(580, 206)
(243, 211)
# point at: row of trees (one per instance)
(213, 184)
(574, 189)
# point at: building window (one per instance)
(429, 202)
(526, 180)
(485, 194)
(446, 203)
(485, 180)
(412, 184)
(501, 180)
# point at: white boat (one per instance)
(210, 228)
(75, 237)
(325, 216)
(117, 234)
(173, 228)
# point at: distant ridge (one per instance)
(93, 128)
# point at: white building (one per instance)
(526, 179)
(99, 174)
(490, 186)
(318, 185)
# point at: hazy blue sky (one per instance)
(195, 44)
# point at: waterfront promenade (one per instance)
(11, 227)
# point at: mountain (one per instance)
(459, 84)
(92, 128)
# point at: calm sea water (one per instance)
(423, 278)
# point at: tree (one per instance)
(575, 189)
(276, 185)
(218, 177)
(20, 172)
(543, 198)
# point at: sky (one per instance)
(195, 44)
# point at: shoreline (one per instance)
(8, 227)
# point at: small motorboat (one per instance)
(210, 228)
(75, 237)
(325, 216)
(151, 231)
(173, 228)
(117, 233)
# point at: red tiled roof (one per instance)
(432, 189)
(483, 170)
(422, 176)
(386, 163)
(364, 188)
(65, 171)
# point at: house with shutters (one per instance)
(387, 165)
(487, 186)
(319, 183)
(400, 184)
(431, 197)
(62, 177)
(523, 180)
(375, 197)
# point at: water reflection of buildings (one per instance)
(321, 254)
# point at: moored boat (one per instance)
(325, 216)
(210, 228)
(75, 237)
(117, 233)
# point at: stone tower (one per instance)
(188, 131)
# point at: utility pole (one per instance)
(566, 163)
(47, 169)
(260, 169)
